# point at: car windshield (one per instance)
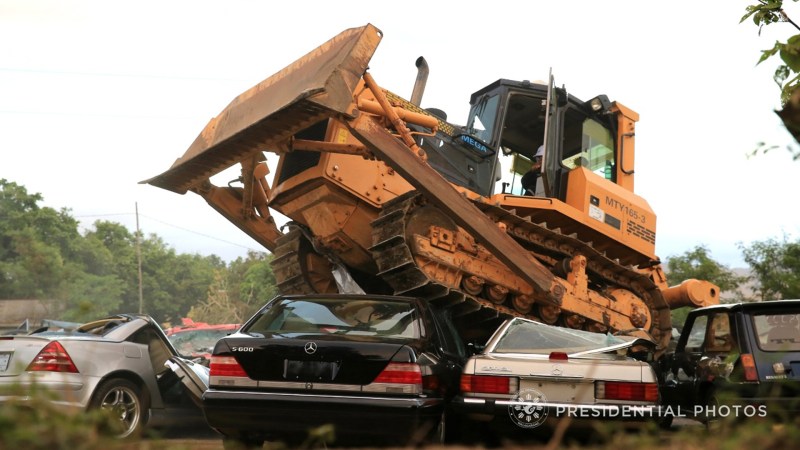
(778, 332)
(367, 317)
(525, 336)
(197, 340)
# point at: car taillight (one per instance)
(489, 384)
(400, 373)
(225, 366)
(749, 366)
(616, 390)
(52, 358)
(397, 378)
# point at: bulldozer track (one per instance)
(397, 266)
(287, 265)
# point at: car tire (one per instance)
(665, 422)
(438, 435)
(711, 403)
(123, 399)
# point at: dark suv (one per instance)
(735, 360)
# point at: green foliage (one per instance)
(43, 256)
(256, 285)
(32, 421)
(698, 264)
(787, 75)
(776, 267)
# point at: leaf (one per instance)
(790, 53)
(781, 74)
(750, 11)
(766, 54)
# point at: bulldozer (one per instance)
(388, 197)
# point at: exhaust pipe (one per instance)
(422, 79)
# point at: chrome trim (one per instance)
(225, 394)
(649, 409)
(309, 386)
(385, 388)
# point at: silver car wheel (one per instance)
(121, 399)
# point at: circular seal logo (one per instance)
(527, 408)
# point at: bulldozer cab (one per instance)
(515, 118)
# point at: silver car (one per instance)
(532, 374)
(124, 364)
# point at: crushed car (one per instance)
(195, 340)
(123, 364)
(739, 360)
(531, 375)
(379, 369)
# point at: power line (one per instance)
(173, 226)
(101, 115)
(114, 75)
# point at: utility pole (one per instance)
(139, 257)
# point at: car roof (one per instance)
(350, 296)
(203, 326)
(749, 306)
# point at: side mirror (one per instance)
(561, 97)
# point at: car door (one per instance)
(678, 390)
(451, 350)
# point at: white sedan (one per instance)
(532, 374)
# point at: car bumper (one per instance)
(67, 390)
(278, 416)
(500, 411)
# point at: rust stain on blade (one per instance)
(317, 86)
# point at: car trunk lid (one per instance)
(17, 352)
(314, 359)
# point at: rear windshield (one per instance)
(365, 317)
(197, 340)
(524, 336)
(777, 332)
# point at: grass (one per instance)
(32, 422)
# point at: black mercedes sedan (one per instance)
(378, 369)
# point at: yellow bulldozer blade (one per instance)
(317, 86)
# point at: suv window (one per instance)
(718, 338)
(697, 335)
(777, 332)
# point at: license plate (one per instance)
(310, 370)
(5, 358)
(561, 391)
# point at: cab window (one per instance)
(482, 118)
(589, 144)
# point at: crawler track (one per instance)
(299, 270)
(398, 267)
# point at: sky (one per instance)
(98, 95)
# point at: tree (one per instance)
(776, 265)
(697, 264)
(172, 283)
(238, 292)
(787, 75)
(34, 243)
